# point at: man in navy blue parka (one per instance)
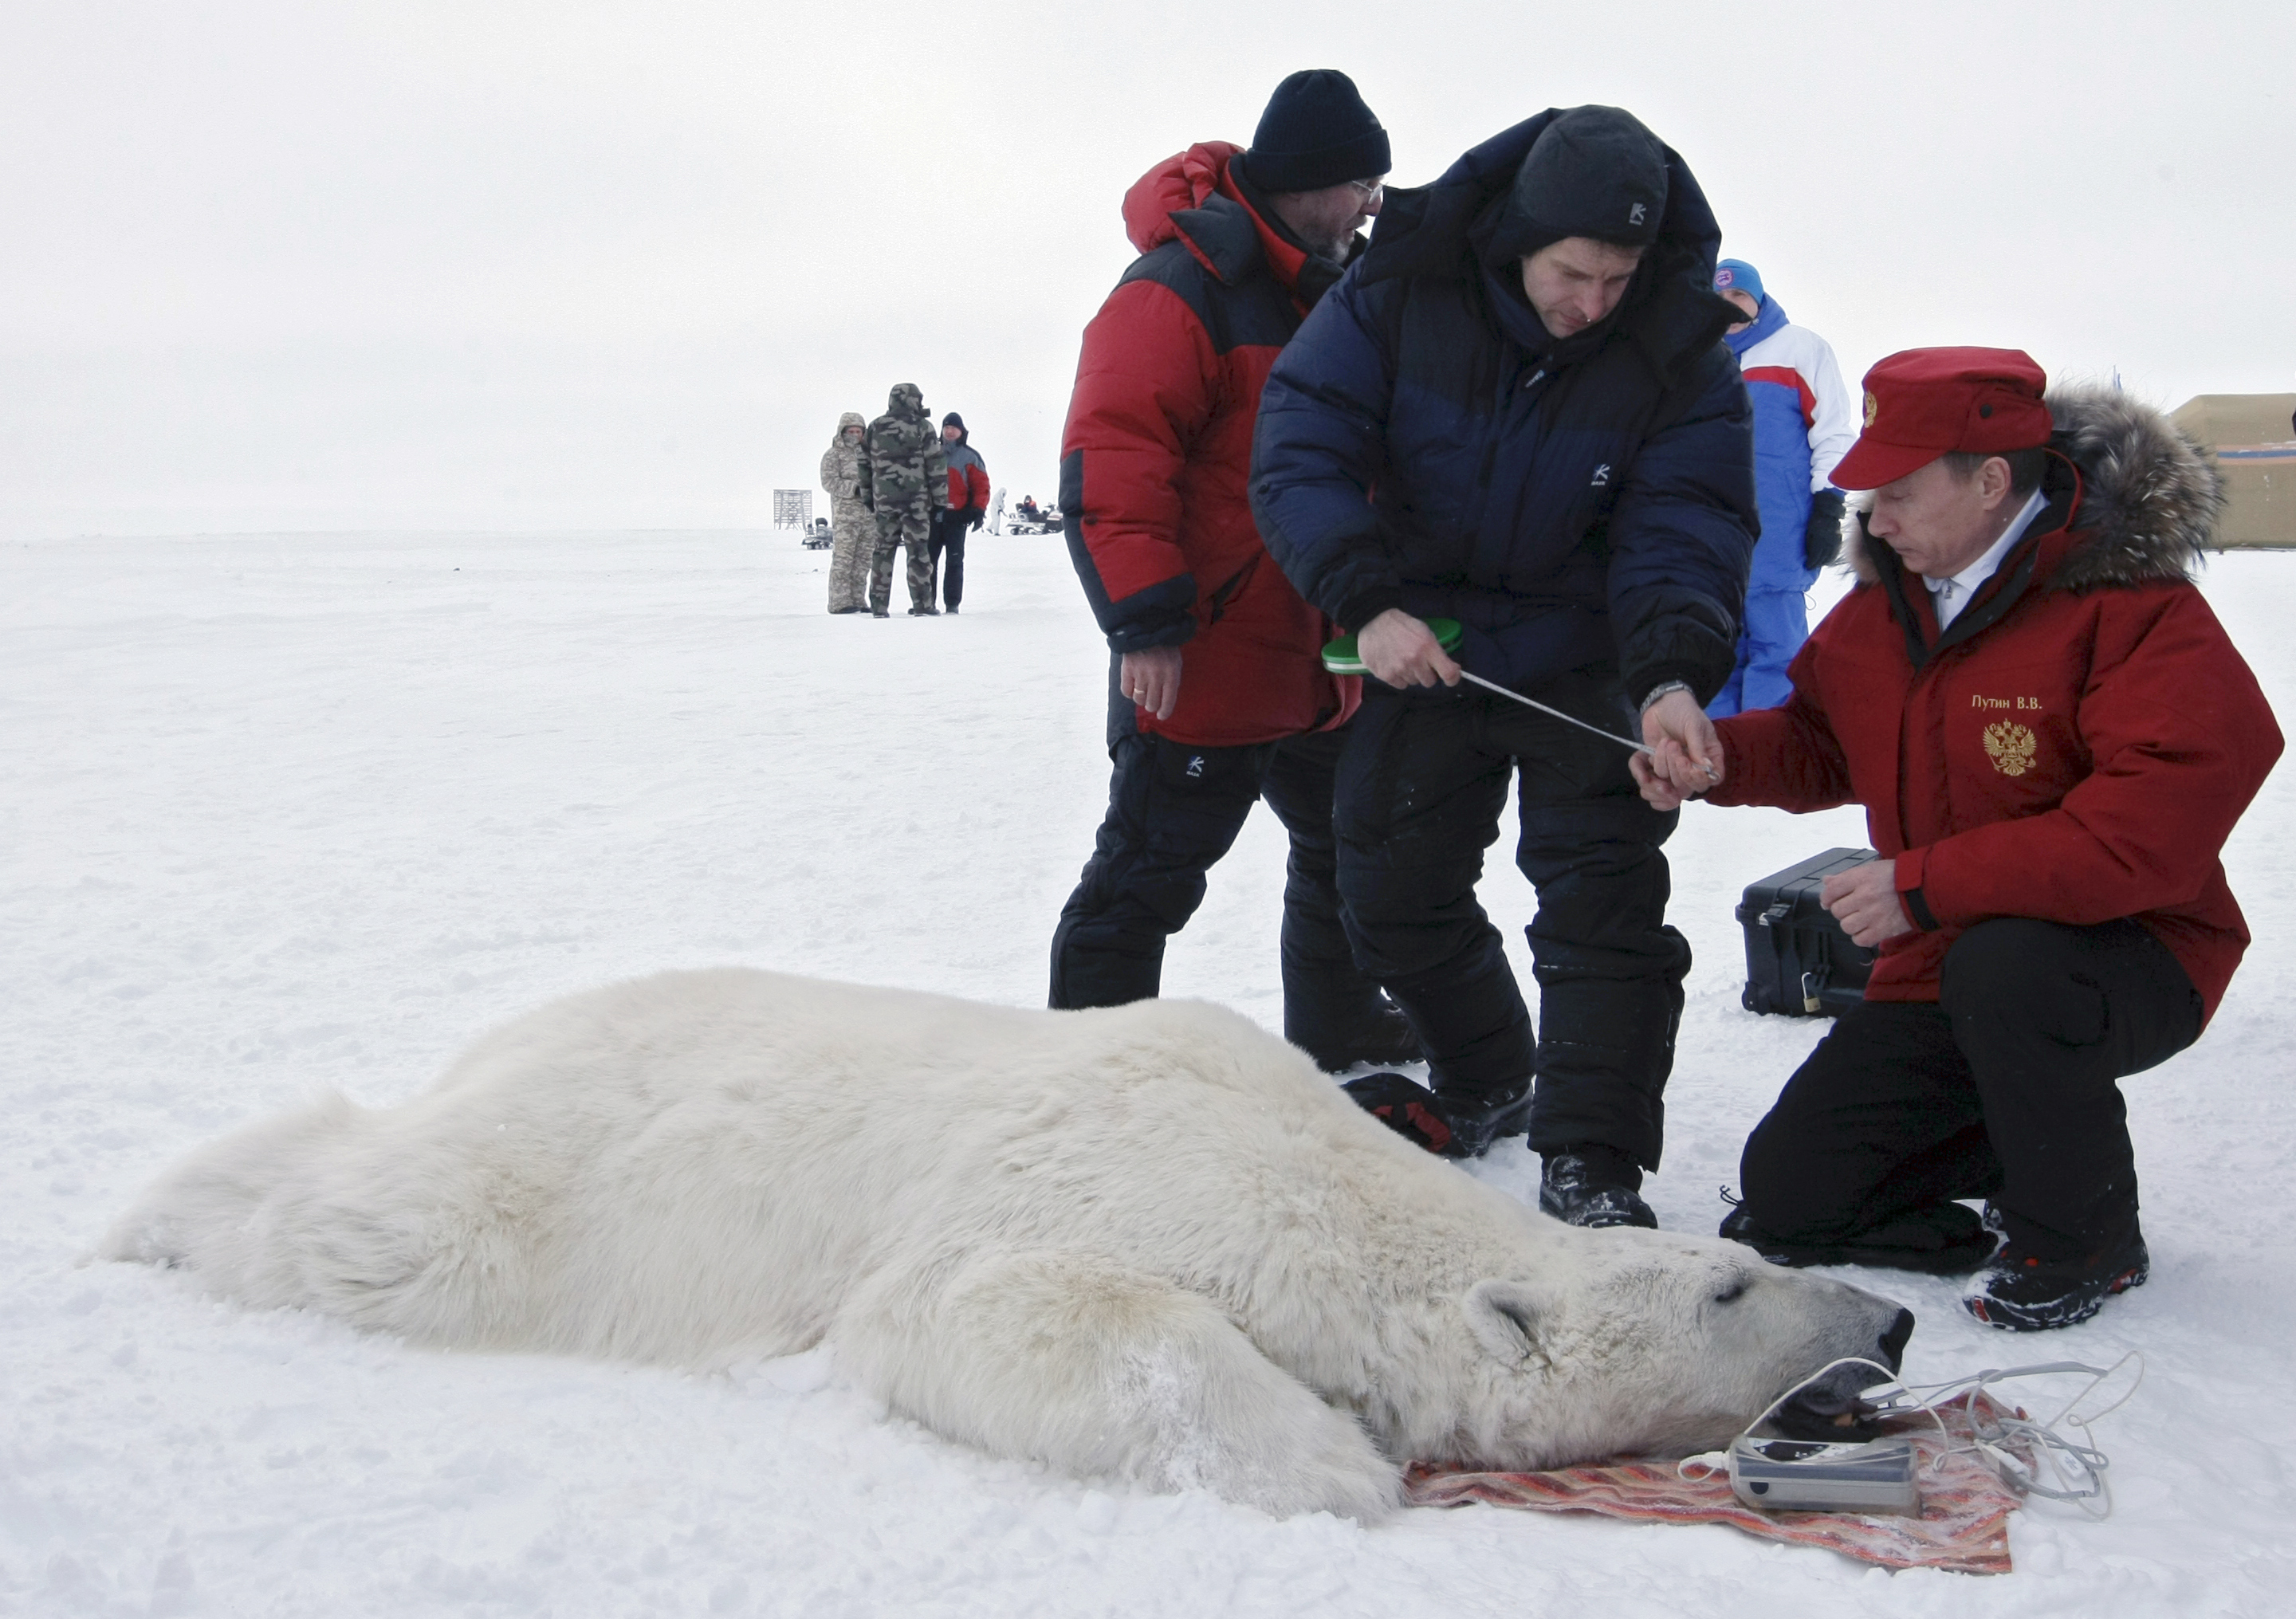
(1516, 411)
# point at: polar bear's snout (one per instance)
(1822, 1408)
(1894, 1341)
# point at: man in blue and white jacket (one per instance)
(1802, 426)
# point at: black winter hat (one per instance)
(1317, 131)
(953, 419)
(1594, 171)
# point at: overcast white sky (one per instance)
(271, 264)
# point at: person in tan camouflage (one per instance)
(853, 528)
(904, 476)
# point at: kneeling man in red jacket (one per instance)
(2052, 738)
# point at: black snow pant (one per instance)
(1173, 810)
(948, 531)
(2004, 1089)
(1420, 789)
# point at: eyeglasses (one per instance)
(1371, 190)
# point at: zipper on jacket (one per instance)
(1498, 429)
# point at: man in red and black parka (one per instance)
(2052, 736)
(1217, 695)
(968, 504)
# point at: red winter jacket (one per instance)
(2076, 748)
(968, 477)
(1157, 447)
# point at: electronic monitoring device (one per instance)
(1811, 1475)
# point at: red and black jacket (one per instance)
(1157, 450)
(968, 477)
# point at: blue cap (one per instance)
(1736, 275)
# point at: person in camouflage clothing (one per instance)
(854, 531)
(905, 474)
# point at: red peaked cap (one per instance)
(1923, 402)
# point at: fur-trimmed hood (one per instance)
(2145, 506)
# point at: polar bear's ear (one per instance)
(1508, 1317)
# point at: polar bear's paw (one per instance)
(1099, 1370)
(1250, 1433)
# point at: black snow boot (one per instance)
(2025, 1292)
(1945, 1241)
(1449, 1126)
(1593, 1186)
(1386, 1039)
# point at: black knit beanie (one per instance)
(1594, 171)
(1317, 131)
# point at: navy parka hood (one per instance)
(1452, 229)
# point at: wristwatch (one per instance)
(1661, 689)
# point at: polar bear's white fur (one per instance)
(1150, 1242)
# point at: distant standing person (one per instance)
(1803, 426)
(968, 507)
(906, 476)
(853, 531)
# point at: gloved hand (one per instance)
(977, 517)
(1821, 539)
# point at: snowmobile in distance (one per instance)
(1028, 518)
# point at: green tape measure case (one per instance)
(1339, 656)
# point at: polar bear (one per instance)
(1150, 1242)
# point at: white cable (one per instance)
(2078, 1468)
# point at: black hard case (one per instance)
(1798, 963)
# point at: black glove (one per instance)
(1821, 540)
(977, 516)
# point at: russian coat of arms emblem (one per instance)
(2011, 746)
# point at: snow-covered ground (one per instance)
(286, 813)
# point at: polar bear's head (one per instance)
(1633, 1341)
